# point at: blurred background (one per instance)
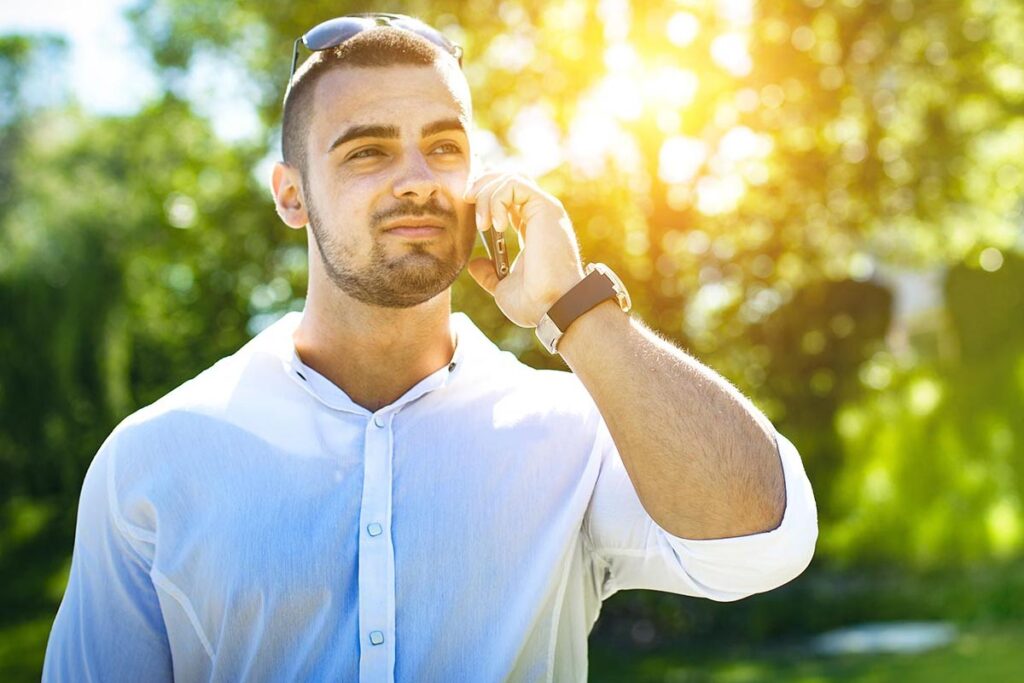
(821, 199)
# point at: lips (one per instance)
(410, 223)
(406, 231)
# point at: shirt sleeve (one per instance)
(109, 626)
(630, 550)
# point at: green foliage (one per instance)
(746, 189)
(932, 472)
(131, 255)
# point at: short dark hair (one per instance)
(384, 46)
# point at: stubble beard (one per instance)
(416, 276)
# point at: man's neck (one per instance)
(375, 354)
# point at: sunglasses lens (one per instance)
(334, 32)
(424, 31)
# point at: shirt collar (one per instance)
(472, 348)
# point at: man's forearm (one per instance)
(701, 457)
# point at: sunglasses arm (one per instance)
(295, 57)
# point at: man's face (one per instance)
(388, 147)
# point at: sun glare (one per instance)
(708, 169)
(680, 159)
(729, 51)
(682, 28)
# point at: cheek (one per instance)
(353, 178)
(353, 197)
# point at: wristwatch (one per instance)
(599, 284)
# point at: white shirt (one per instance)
(255, 524)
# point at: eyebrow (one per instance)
(375, 131)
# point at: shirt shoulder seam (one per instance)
(128, 532)
(186, 605)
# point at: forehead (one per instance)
(402, 95)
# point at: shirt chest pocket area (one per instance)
(265, 556)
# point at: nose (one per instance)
(416, 180)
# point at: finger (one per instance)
(517, 221)
(499, 210)
(511, 194)
(484, 220)
(473, 191)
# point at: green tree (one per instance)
(745, 167)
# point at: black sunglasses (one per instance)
(334, 32)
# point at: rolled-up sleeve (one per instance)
(109, 625)
(632, 551)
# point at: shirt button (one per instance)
(451, 366)
(378, 420)
(374, 529)
(376, 637)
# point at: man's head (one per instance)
(374, 134)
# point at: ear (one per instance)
(285, 183)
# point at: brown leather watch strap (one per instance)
(588, 292)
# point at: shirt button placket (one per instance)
(376, 554)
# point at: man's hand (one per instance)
(548, 264)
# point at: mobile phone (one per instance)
(494, 243)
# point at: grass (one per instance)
(984, 653)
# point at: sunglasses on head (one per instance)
(334, 32)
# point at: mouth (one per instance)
(415, 227)
(427, 232)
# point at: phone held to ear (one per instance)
(494, 243)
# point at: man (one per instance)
(372, 490)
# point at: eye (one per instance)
(448, 148)
(365, 153)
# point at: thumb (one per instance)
(482, 270)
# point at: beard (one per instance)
(416, 276)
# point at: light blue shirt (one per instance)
(255, 524)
